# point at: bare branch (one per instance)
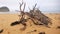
(24, 6)
(29, 8)
(34, 6)
(21, 5)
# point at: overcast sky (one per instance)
(43, 5)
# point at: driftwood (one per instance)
(22, 20)
(35, 15)
(38, 15)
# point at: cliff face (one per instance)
(4, 9)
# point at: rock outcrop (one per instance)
(4, 9)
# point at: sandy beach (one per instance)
(7, 19)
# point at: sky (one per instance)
(52, 6)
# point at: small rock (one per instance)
(1, 31)
(35, 30)
(41, 32)
(58, 27)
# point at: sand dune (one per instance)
(7, 19)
